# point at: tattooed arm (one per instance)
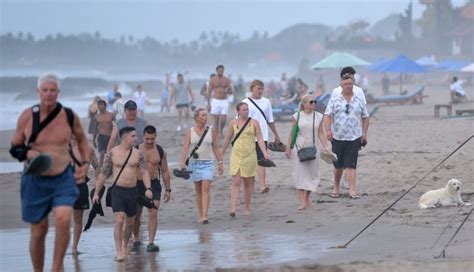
(145, 175)
(104, 174)
(94, 162)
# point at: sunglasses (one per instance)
(312, 102)
(347, 108)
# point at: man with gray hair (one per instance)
(48, 183)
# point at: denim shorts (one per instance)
(202, 169)
(40, 194)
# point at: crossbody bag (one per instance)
(240, 131)
(259, 109)
(193, 154)
(308, 153)
(108, 196)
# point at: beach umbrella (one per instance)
(452, 65)
(339, 60)
(469, 68)
(427, 61)
(400, 64)
(376, 64)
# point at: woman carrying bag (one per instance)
(303, 148)
(203, 142)
(243, 159)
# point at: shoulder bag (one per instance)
(108, 195)
(308, 153)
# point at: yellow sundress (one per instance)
(244, 154)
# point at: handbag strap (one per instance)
(198, 144)
(314, 116)
(123, 166)
(240, 131)
(261, 111)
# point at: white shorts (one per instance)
(219, 106)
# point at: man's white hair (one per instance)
(48, 77)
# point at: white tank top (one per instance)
(205, 150)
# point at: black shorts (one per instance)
(125, 200)
(155, 189)
(259, 151)
(185, 105)
(347, 153)
(82, 202)
(102, 141)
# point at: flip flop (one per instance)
(265, 190)
(266, 163)
(281, 147)
(334, 195)
(38, 165)
(182, 173)
(356, 196)
(329, 157)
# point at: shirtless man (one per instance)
(124, 193)
(105, 120)
(55, 188)
(82, 202)
(218, 91)
(157, 165)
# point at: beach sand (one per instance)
(405, 143)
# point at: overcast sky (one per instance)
(185, 20)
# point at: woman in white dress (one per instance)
(306, 174)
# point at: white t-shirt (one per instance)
(254, 113)
(140, 99)
(356, 89)
(457, 87)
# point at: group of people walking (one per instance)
(128, 152)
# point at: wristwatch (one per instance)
(149, 188)
(168, 190)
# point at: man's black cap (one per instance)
(130, 104)
(347, 70)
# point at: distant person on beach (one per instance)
(92, 111)
(385, 84)
(165, 95)
(220, 88)
(157, 166)
(82, 202)
(124, 194)
(310, 133)
(260, 110)
(49, 182)
(205, 87)
(243, 159)
(141, 98)
(105, 121)
(201, 161)
(457, 91)
(111, 97)
(346, 121)
(182, 96)
(130, 120)
(118, 106)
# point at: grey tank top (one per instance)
(139, 126)
(181, 93)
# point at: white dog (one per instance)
(447, 196)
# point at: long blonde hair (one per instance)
(93, 104)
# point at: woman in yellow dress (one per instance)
(243, 159)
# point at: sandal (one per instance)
(335, 195)
(356, 196)
(265, 190)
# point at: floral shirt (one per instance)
(346, 117)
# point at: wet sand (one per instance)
(405, 143)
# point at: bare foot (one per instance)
(301, 207)
(265, 190)
(246, 213)
(119, 258)
(125, 252)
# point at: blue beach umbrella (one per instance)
(399, 64)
